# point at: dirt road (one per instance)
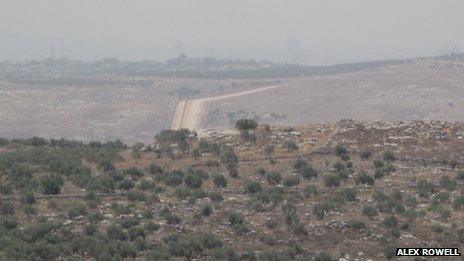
(189, 113)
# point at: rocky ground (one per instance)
(345, 191)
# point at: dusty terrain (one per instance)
(129, 113)
(419, 90)
(189, 113)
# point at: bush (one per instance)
(52, 185)
(220, 181)
(389, 156)
(365, 154)
(246, 124)
(308, 172)
(389, 250)
(272, 223)
(206, 210)
(174, 178)
(77, 211)
(364, 178)
(369, 211)
(196, 153)
(269, 149)
(126, 184)
(136, 195)
(155, 169)
(9, 223)
(332, 180)
(323, 256)
(458, 202)
(158, 253)
(215, 196)
(437, 228)
(390, 222)
(193, 181)
(356, 224)
(274, 177)
(340, 150)
(235, 218)
(28, 198)
(134, 172)
(253, 187)
(290, 146)
(291, 181)
(7, 208)
(348, 194)
(441, 197)
(321, 209)
(424, 188)
(211, 163)
(460, 175)
(257, 206)
(310, 190)
(448, 183)
(224, 253)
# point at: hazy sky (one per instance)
(328, 30)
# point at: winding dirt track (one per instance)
(189, 113)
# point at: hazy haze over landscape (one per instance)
(328, 31)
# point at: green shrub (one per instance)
(246, 124)
(369, 211)
(378, 164)
(448, 183)
(136, 195)
(155, 169)
(225, 253)
(274, 177)
(340, 150)
(215, 196)
(196, 153)
(321, 209)
(235, 218)
(7, 208)
(211, 163)
(365, 154)
(356, 224)
(291, 181)
(52, 184)
(437, 228)
(323, 256)
(310, 190)
(389, 156)
(332, 180)
(348, 194)
(126, 184)
(460, 175)
(441, 197)
(253, 187)
(206, 210)
(174, 178)
(424, 188)
(134, 172)
(389, 250)
(76, 211)
(272, 223)
(390, 222)
(364, 178)
(9, 223)
(193, 181)
(458, 202)
(290, 146)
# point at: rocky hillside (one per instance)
(347, 191)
